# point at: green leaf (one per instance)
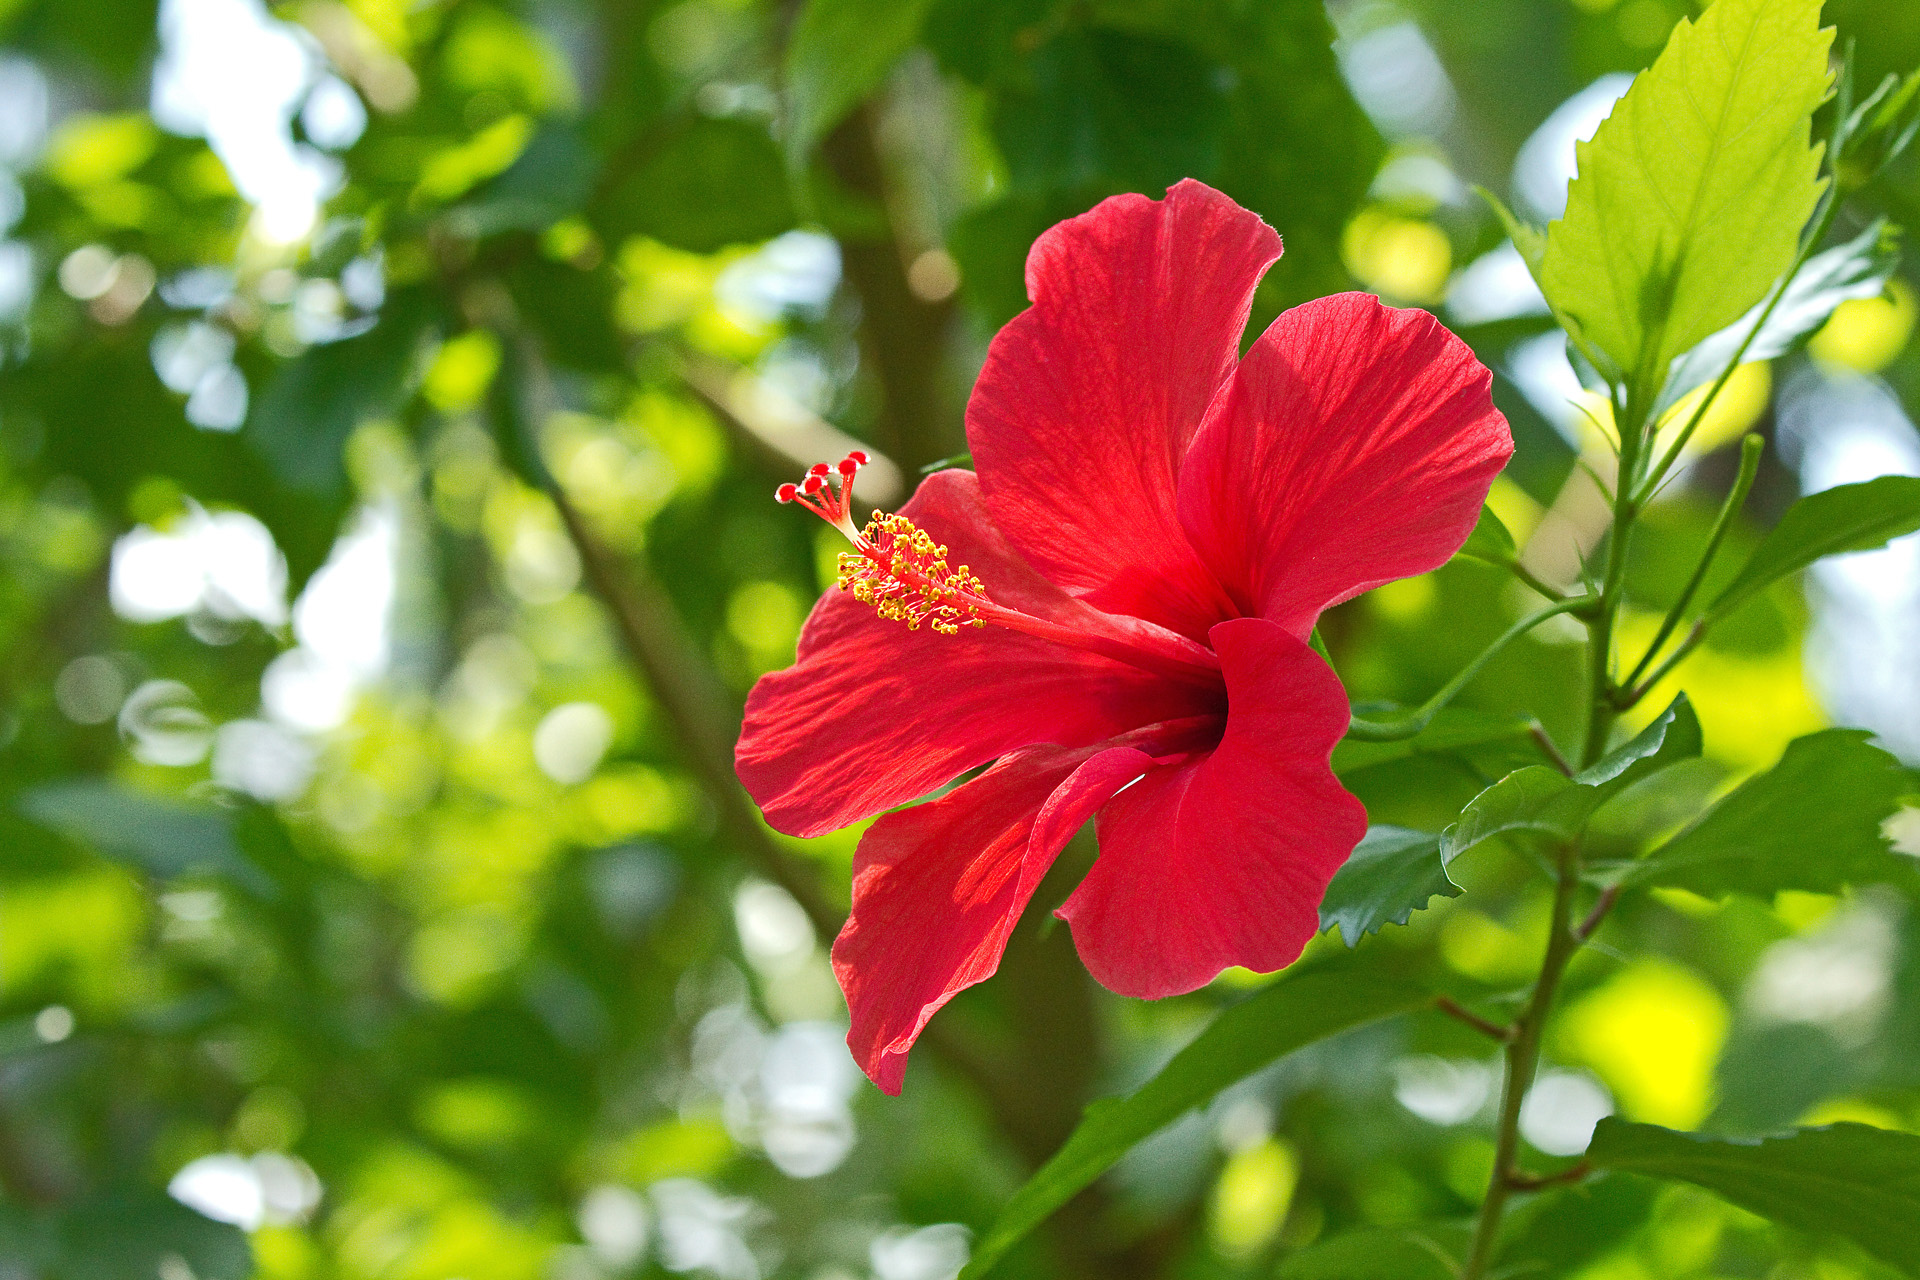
(1296, 1011)
(1453, 729)
(1693, 192)
(301, 425)
(1426, 1252)
(1531, 242)
(1673, 735)
(1104, 106)
(1392, 873)
(1559, 1232)
(839, 53)
(1859, 268)
(1547, 802)
(1847, 1180)
(1811, 822)
(1847, 517)
(1535, 798)
(133, 1235)
(711, 183)
(1489, 540)
(162, 837)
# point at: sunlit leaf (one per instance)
(1848, 1180)
(1811, 822)
(1859, 268)
(1847, 517)
(1692, 194)
(1295, 1011)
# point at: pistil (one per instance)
(900, 570)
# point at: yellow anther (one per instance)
(903, 574)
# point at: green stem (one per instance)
(1523, 1063)
(1750, 450)
(1628, 697)
(1518, 570)
(1393, 730)
(1633, 422)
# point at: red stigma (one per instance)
(826, 490)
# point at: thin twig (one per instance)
(1540, 1182)
(1544, 741)
(1597, 916)
(1750, 449)
(1459, 1012)
(650, 631)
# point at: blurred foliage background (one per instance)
(391, 396)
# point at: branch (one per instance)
(696, 705)
(1540, 1182)
(1459, 1012)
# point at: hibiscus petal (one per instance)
(1355, 445)
(1222, 859)
(938, 888)
(1089, 398)
(874, 715)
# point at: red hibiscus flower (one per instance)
(1113, 610)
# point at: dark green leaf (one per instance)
(1544, 801)
(1858, 269)
(1106, 109)
(1847, 1180)
(711, 184)
(1428, 1252)
(1811, 822)
(1693, 192)
(301, 425)
(839, 53)
(1535, 799)
(162, 837)
(1295, 1011)
(132, 1236)
(1391, 873)
(1847, 517)
(1674, 735)
(1558, 1233)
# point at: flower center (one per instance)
(895, 565)
(898, 569)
